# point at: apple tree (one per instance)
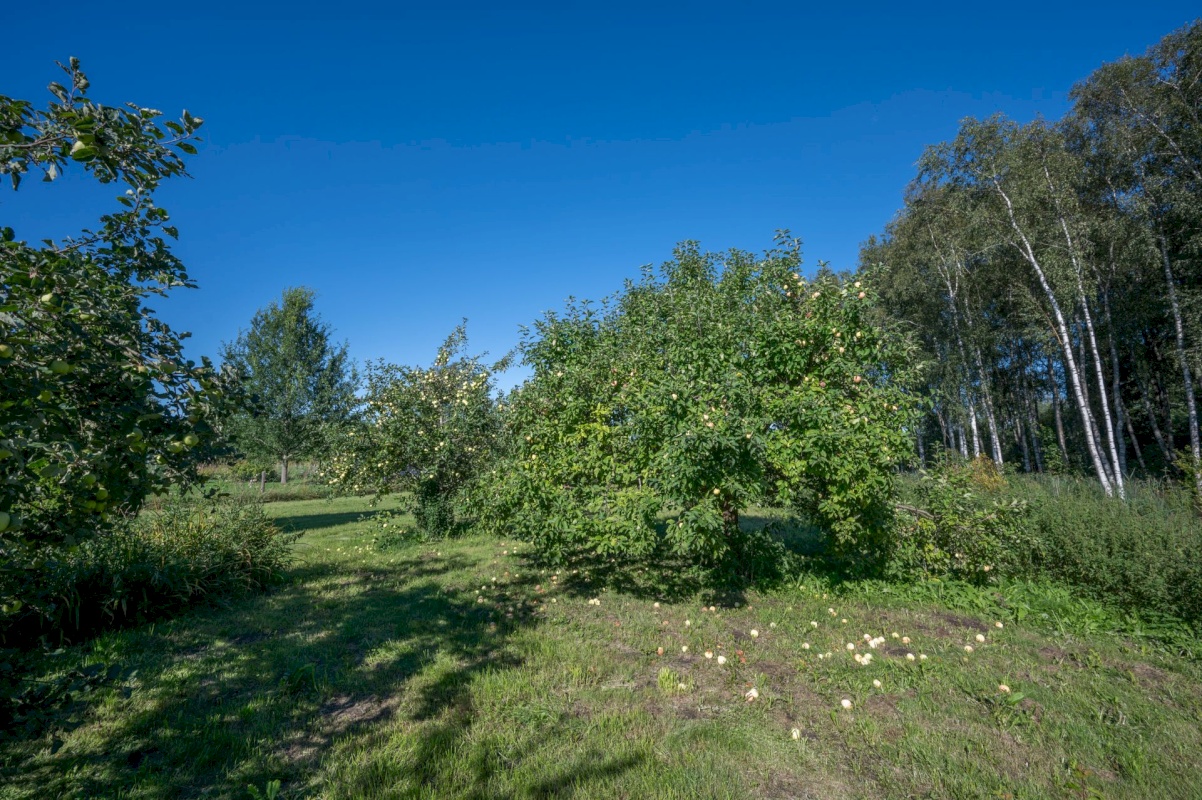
(714, 384)
(425, 431)
(98, 406)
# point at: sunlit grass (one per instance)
(411, 672)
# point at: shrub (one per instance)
(962, 524)
(151, 567)
(1145, 553)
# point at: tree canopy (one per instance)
(299, 383)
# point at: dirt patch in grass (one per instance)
(337, 716)
(1149, 675)
(341, 713)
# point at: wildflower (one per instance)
(813, 624)
(894, 634)
(684, 648)
(659, 651)
(709, 653)
(843, 621)
(876, 684)
(922, 657)
(754, 633)
(655, 605)
(909, 656)
(831, 611)
(687, 623)
(1003, 688)
(721, 660)
(796, 734)
(752, 694)
(771, 624)
(968, 648)
(859, 658)
(998, 625)
(805, 645)
(851, 645)
(821, 656)
(980, 638)
(713, 608)
(845, 703)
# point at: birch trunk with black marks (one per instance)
(1191, 407)
(1027, 250)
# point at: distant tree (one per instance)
(299, 385)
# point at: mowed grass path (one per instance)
(458, 670)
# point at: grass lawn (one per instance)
(457, 670)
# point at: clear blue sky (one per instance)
(483, 162)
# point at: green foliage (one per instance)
(144, 569)
(961, 528)
(271, 791)
(1144, 554)
(98, 407)
(428, 432)
(301, 388)
(717, 383)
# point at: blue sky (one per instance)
(415, 167)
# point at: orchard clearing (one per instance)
(458, 669)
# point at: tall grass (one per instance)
(184, 553)
(1144, 553)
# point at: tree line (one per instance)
(1051, 272)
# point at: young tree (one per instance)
(429, 431)
(299, 384)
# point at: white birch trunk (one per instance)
(1191, 406)
(1070, 363)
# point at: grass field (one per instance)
(458, 670)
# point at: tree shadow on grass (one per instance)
(223, 699)
(760, 562)
(311, 522)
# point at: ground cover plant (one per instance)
(463, 668)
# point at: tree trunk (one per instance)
(1028, 252)
(262, 481)
(730, 517)
(990, 416)
(284, 471)
(1135, 443)
(1116, 385)
(1060, 438)
(1032, 409)
(1191, 407)
(976, 432)
(948, 444)
(1021, 435)
(1107, 420)
(1166, 446)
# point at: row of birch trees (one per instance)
(1053, 272)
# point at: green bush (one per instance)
(143, 569)
(1144, 554)
(961, 521)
